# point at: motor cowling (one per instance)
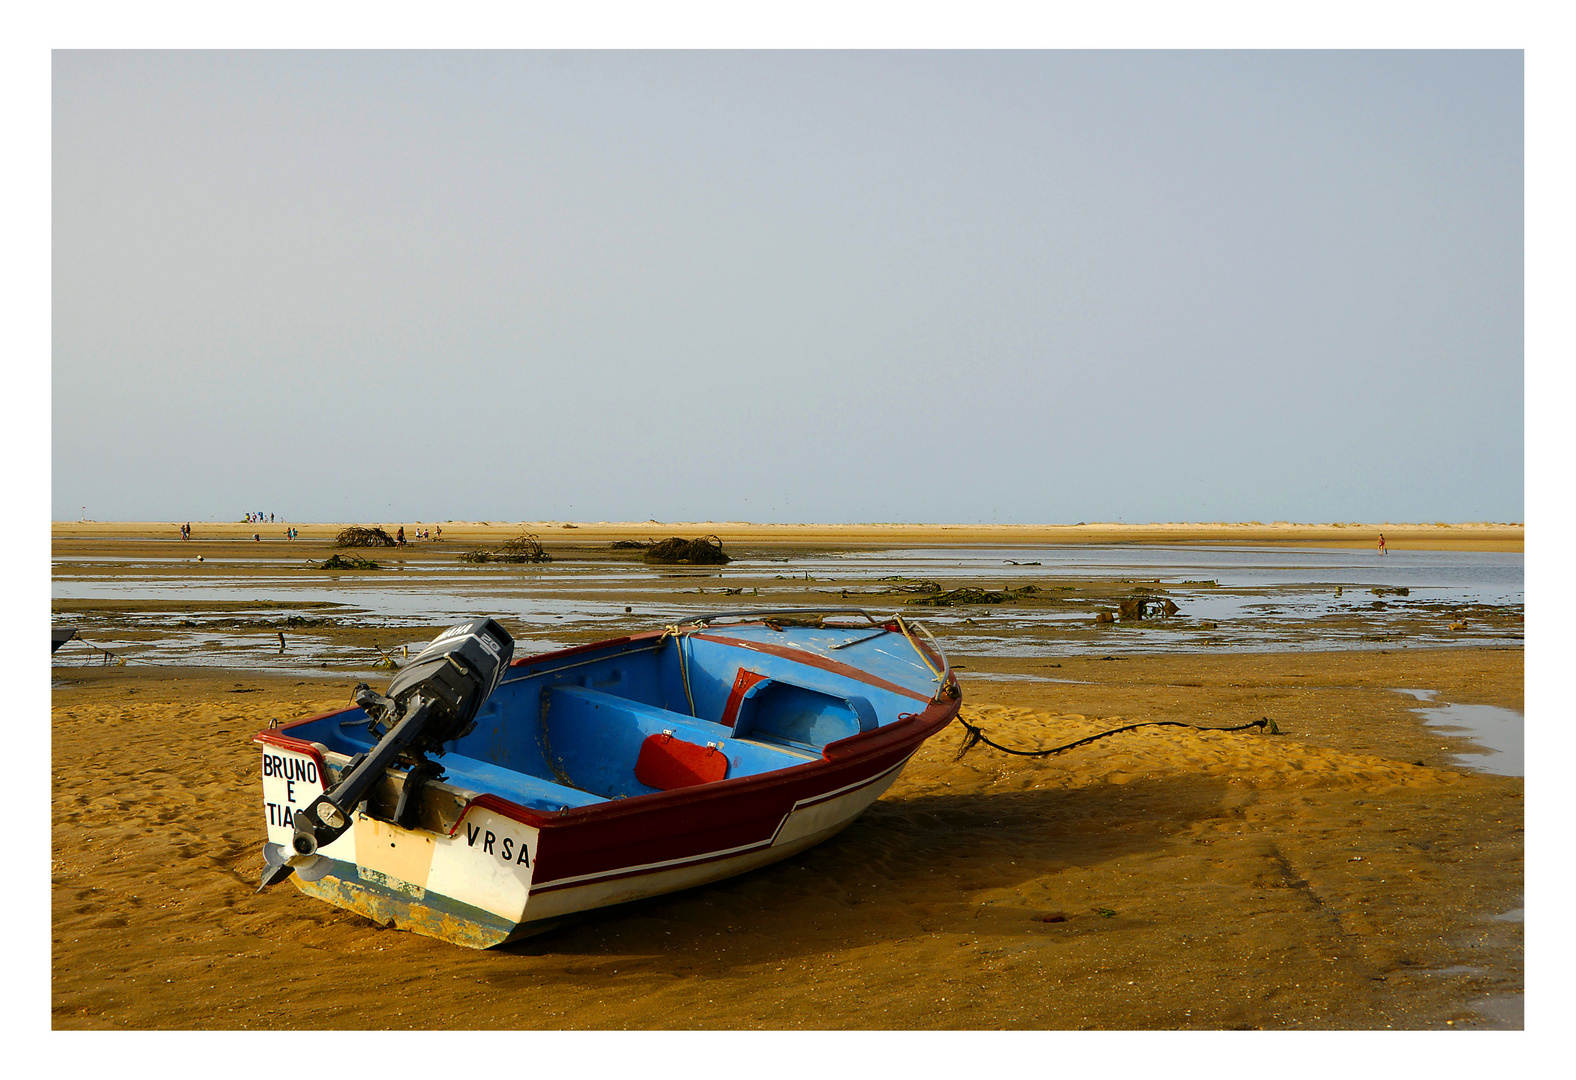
(455, 674)
(433, 700)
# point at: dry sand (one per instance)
(1346, 873)
(1483, 536)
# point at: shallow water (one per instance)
(1255, 598)
(1488, 577)
(1500, 731)
(1506, 1012)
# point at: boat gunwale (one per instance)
(839, 756)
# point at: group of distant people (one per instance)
(257, 518)
(292, 533)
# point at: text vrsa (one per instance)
(505, 848)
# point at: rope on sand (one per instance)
(975, 735)
(108, 656)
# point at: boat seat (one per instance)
(598, 740)
(775, 711)
(651, 719)
(522, 788)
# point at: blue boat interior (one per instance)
(645, 715)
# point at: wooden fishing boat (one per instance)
(595, 775)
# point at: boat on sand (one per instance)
(484, 798)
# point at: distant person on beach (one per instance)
(1381, 544)
(400, 538)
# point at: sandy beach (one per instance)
(1349, 872)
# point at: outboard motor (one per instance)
(432, 701)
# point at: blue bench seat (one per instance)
(595, 739)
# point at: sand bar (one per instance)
(1436, 537)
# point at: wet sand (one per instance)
(1346, 873)
(287, 606)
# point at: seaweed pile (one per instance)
(923, 588)
(356, 536)
(702, 551)
(337, 561)
(1138, 607)
(972, 595)
(522, 549)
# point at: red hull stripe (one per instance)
(709, 856)
(300, 746)
(811, 659)
(652, 868)
(816, 799)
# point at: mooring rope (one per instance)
(975, 735)
(934, 671)
(678, 643)
(109, 655)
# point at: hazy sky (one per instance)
(841, 286)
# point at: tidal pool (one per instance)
(1499, 731)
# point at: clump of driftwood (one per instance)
(702, 551)
(337, 561)
(972, 595)
(922, 588)
(522, 549)
(631, 545)
(1139, 608)
(356, 536)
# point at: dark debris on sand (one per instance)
(702, 551)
